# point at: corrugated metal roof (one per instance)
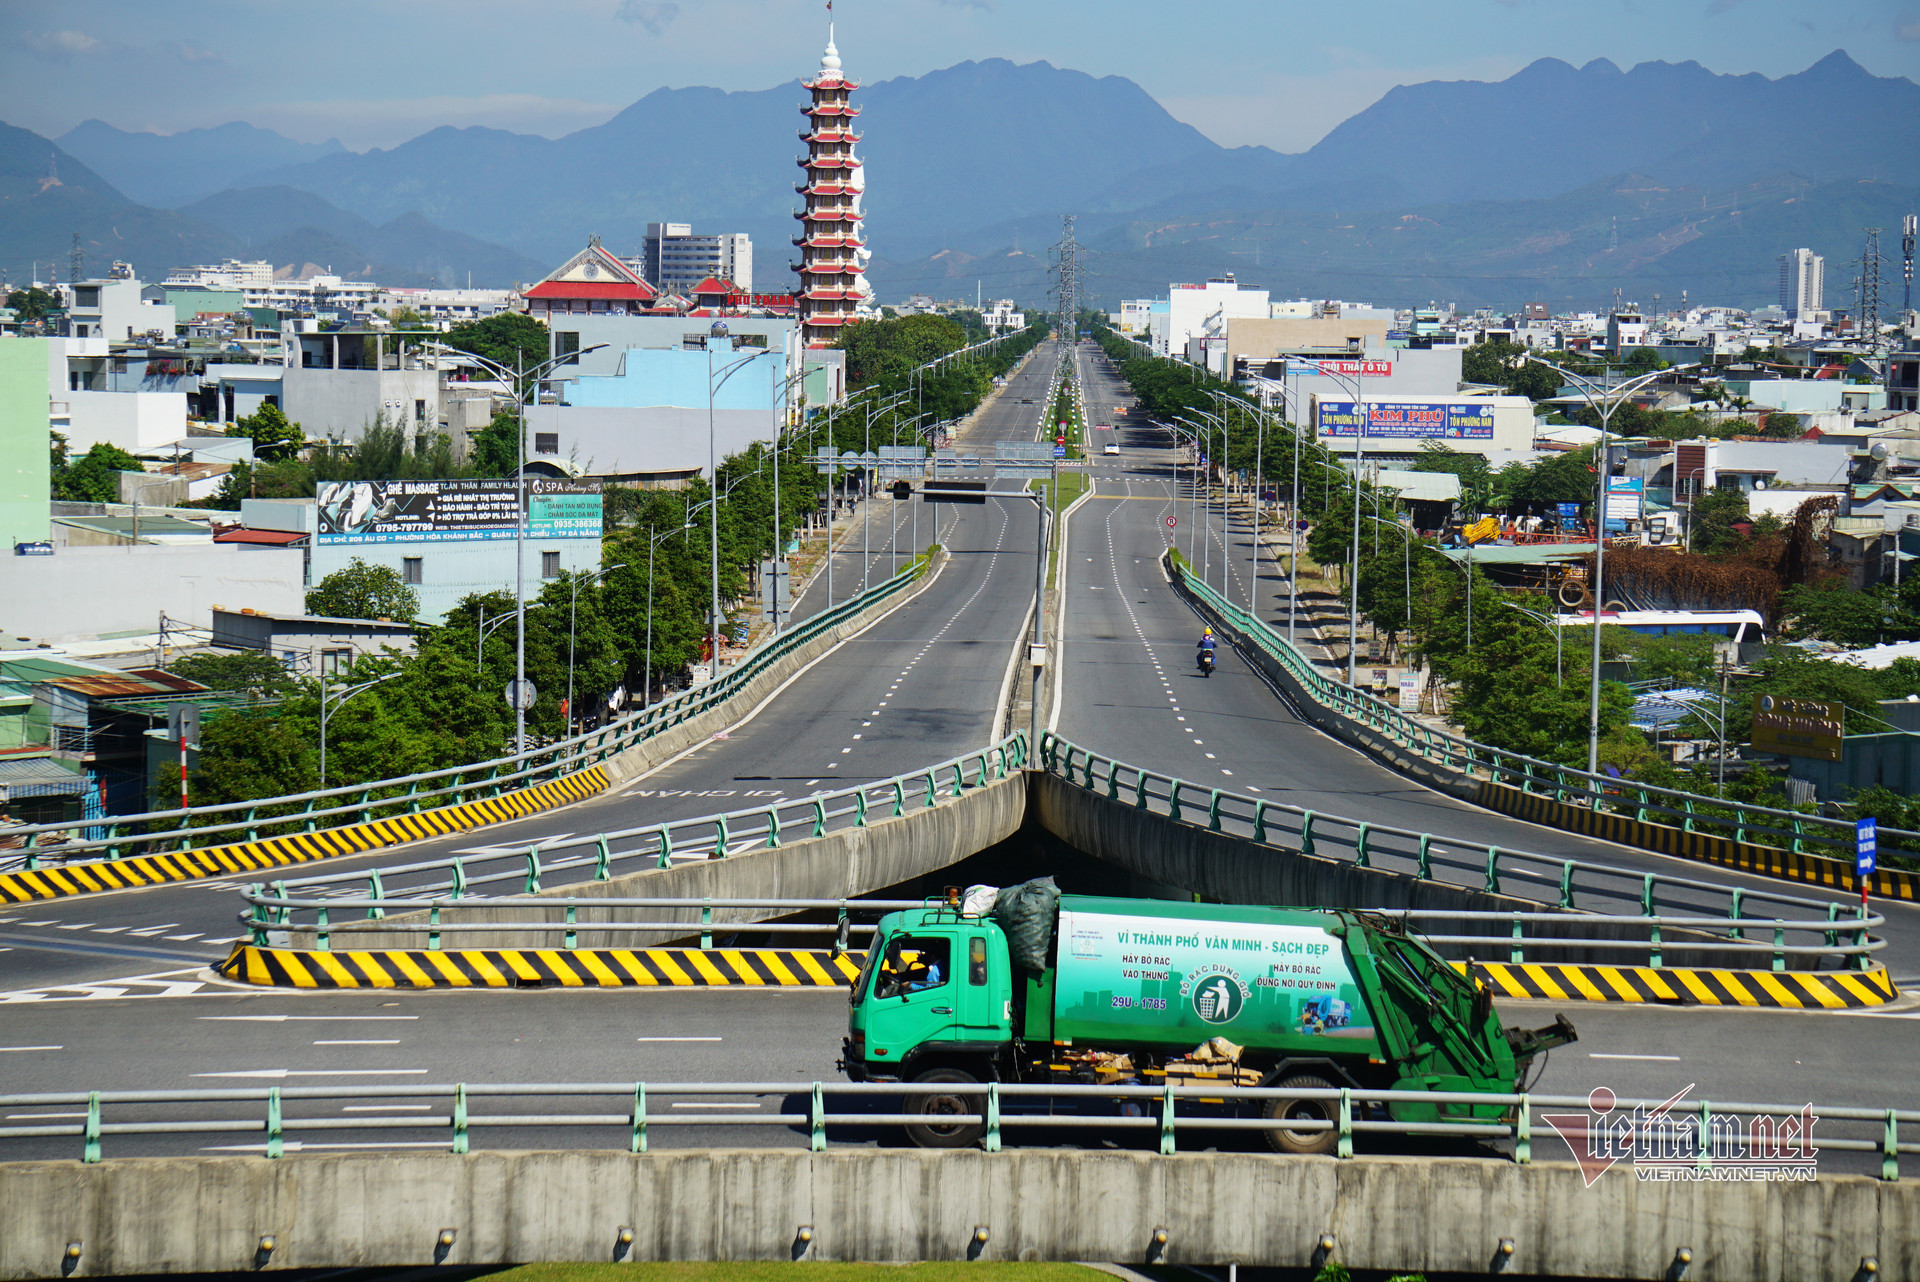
(131, 683)
(39, 777)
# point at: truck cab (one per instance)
(936, 990)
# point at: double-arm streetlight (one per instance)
(1353, 572)
(326, 713)
(1609, 400)
(1548, 622)
(522, 378)
(646, 676)
(718, 340)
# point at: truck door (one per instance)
(985, 995)
(913, 996)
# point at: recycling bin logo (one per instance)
(1218, 999)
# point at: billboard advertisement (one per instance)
(1352, 369)
(1410, 420)
(1810, 728)
(454, 511)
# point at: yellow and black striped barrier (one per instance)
(1686, 986)
(299, 847)
(1763, 861)
(794, 968)
(541, 968)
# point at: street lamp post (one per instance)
(520, 376)
(646, 676)
(326, 714)
(1611, 399)
(716, 335)
(1546, 621)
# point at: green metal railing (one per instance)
(1596, 891)
(1681, 1132)
(409, 794)
(1689, 812)
(460, 881)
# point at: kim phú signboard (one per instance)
(1409, 420)
(1798, 727)
(455, 511)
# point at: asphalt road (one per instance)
(373, 1041)
(917, 688)
(140, 1011)
(1130, 686)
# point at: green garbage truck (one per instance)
(1083, 989)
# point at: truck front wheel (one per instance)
(1283, 1109)
(934, 1133)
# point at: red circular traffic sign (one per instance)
(1171, 522)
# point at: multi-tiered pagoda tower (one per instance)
(833, 252)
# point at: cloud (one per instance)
(654, 15)
(1908, 30)
(59, 46)
(187, 51)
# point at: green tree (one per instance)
(93, 479)
(1833, 611)
(503, 337)
(1505, 365)
(496, 447)
(1643, 360)
(1715, 514)
(33, 304)
(249, 670)
(273, 436)
(362, 591)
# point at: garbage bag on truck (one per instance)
(1026, 912)
(978, 900)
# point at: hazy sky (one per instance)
(1276, 72)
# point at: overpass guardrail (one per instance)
(1600, 892)
(1739, 822)
(631, 1113)
(430, 886)
(118, 837)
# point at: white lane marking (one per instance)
(700, 1105)
(278, 1074)
(161, 929)
(108, 930)
(676, 1039)
(1667, 1059)
(381, 1041)
(186, 938)
(77, 926)
(281, 1019)
(39, 1117)
(31, 1048)
(383, 1108)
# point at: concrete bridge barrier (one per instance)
(1459, 1215)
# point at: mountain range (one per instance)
(1558, 183)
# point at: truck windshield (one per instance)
(866, 970)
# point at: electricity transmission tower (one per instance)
(1870, 289)
(1067, 285)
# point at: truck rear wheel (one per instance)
(936, 1134)
(1302, 1110)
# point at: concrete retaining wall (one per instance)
(1446, 1215)
(1233, 870)
(846, 863)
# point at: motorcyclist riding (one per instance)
(1204, 658)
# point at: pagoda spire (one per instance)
(833, 253)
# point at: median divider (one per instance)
(297, 848)
(541, 968)
(1688, 986)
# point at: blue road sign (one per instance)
(1866, 843)
(1059, 451)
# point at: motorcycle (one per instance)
(1205, 660)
